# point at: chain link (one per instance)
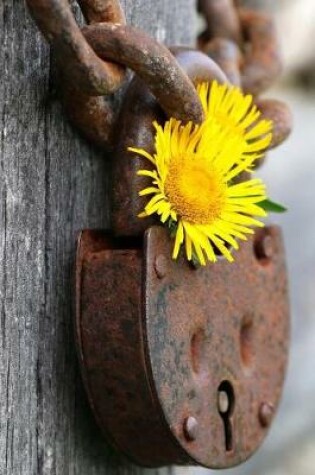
(253, 37)
(79, 63)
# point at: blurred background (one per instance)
(290, 175)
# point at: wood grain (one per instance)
(52, 184)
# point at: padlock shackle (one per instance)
(137, 130)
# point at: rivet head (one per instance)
(266, 412)
(160, 266)
(191, 428)
(265, 247)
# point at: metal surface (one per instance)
(262, 62)
(87, 80)
(80, 65)
(253, 32)
(244, 44)
(281, 116)
(266, 413)
(153, 63)
(92, 62)
(156, 352)
(111, 349)
(222, 20)
(227, 55)
(101, 11)
(86, 83)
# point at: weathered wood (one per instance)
(52, 184)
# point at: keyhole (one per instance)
(226, 403)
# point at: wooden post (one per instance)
(52, 184)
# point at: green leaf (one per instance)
(271, 206)
(172, 226)
(195, 261)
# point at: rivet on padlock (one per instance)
(182, 365)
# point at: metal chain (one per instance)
(244, 44)
(244, 37)
(79, 62)
(127, 46)
(87, 81)
(93, 60)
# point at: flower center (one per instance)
(196, 193)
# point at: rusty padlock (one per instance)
(181, 365)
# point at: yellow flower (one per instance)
(194, 173)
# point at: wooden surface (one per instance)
(52, 184)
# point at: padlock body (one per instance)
(160, 341)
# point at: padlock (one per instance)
(182, 365)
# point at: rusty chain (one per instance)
(92, 60)
(244, 44)
(78, 60)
